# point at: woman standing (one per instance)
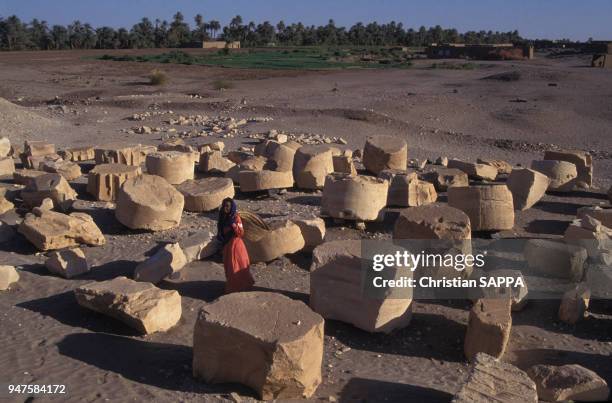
(235, 257)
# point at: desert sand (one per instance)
(46, 337)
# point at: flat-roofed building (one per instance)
(221, 45)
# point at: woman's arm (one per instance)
(237, 227)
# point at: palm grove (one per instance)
(38, 35)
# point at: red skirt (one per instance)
(236, 263)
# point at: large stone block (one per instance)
(48, 230)
(489, 206)
(279, 156)
(5, 147)
(591, 234)
(349, 197)
(76, 154)
(555, 259)
(491, 380)
(8, 276)
(141, 306)
(488, 328)
(149, 202)
(25, 176)
(311, 165)
(337, 290)
(437, 229)
(128, 154)
(598, 213)
(385, 152)
(562, 174)
(582, 160)
(166, 261)
(36, 151)
(280, 339)
(52, 186)
(503, 167)
(313, 231)
(206, 194)
(67, 263)
(5, 204)
(199, 245)
(255, 181)
(443, 178)
(435, 221)
(475, 170)
(280, 238)
(250, 164)
(7, 166)
(527, 187)
(105, 180)
(68, 169)
(174, 166)
(344, 164)
(599, 281)
(214, 162)
(574, 304)
(571, 382)
(516, 292)
(406, 190)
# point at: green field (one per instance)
(283, 59)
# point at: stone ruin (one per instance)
(149, 202)
(407, 190)
(336, 276)
(311, 164)
(489, 206)
(284, 361)
(360, 198)
(174, 166)
(385, 152)
(206, 194)
(128, 154)
(105, 180)
(280, 339)
(141, 306)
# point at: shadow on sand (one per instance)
(372, 390)
(166, 366)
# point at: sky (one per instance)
(552, 19)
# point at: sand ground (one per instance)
(46, 338)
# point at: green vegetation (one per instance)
(158, 77)
(308, 58)
(177, 32)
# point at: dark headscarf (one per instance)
(226, 219)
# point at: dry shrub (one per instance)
(158, 77)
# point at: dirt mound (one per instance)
(17, 122)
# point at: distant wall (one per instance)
(479, 52)
(220, 45)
